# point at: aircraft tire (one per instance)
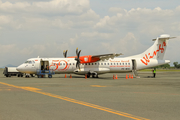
(49, 76)
(39, 76)
(97, 76)
(88, 75)
(93, 76)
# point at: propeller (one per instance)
(77, 58)
(65, 53)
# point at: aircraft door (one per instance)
(44, 65)
(134, 67)
(133, 64)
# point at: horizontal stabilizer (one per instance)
(164, 37)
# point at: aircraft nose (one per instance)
(19, 68)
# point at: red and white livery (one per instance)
(101, 64)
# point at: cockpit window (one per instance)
(30, 62)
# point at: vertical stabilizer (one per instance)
(156, 51)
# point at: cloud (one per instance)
(54, 6)
(152, 21)
(47, 28)
(96, 34)
(64, 14)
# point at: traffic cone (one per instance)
(70, 76)
(65, 76)
(132, 77)
(116, 76)
(129, 75)
(126, 76)
(113, 77)
(85, 76)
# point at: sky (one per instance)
(45, 28)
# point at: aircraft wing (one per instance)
(105, 56)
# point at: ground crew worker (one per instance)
(154, 72)
(47, 67)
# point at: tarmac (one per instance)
(102, 98)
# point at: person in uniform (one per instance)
(154, 72)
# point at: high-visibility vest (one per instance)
(154, 71)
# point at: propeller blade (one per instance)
(65, 53)
(77, 58)
(76, 51)
(78, 54)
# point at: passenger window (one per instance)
(98, 63)
(95, 63)
(114, 63)
(69, 63)
(104, 63)
(126, 63)
(117, 63)
(89, 64)
(122, 63)
(92, 63)
(73, 63)
(63, 63)
(111, 63)
(101, 63)
(108, 64)
(60, 63)
(85, 63)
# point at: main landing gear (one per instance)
(93, 75)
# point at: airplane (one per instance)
(94, 65)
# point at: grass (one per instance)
(161, 70)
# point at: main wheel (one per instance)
(93, 76)
(88, 75)
(49, 76)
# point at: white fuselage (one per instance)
(152, 57)
(68, 65)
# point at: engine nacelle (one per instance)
(88, 59)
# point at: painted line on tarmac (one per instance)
(79, 102)
(97, 86)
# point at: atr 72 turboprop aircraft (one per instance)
(100, 64)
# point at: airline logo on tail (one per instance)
(148, 56)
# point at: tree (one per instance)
(176, 65)
(163, 66)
